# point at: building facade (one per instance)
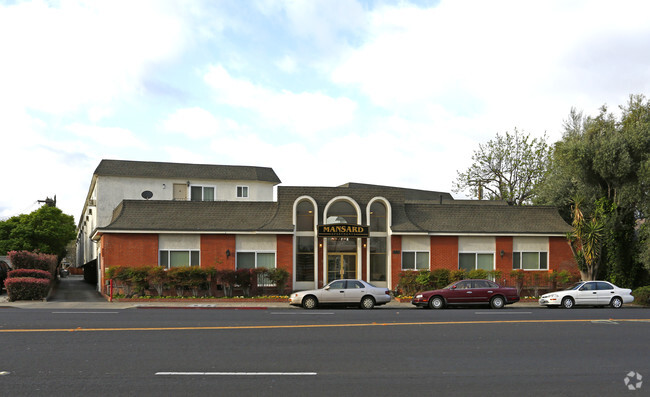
(318, 234)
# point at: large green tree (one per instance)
(509, 167)
(605, 161)
(47, 230)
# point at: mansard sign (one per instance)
(343, 230)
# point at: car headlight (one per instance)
(550, 296)
(418, 296)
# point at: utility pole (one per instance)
(49, 202)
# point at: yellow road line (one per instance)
(79, 329)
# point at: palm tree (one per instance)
(586, 241)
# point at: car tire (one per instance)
(497, 302)
(616, 302)
(367, 302)
(436, 302)
(309, 302)
(568, 303)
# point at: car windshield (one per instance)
(574, 286)
(449, 286)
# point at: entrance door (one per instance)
(341, 266)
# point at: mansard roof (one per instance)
(436, 215)
(152, 169)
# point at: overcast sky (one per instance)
(325, 92)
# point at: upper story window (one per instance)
(202, 193)
(378, 217)
(341, 212)
(242, 191)
(305, 216)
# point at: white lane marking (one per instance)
(304, 314)
(85, 312)
(503, 312)
(2, 373)
(236, 373)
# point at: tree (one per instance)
(605, 160)
(509, 167)
(47, 230)
(586, 241)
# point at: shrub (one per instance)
(244, 280)
(477, 273)
(407, 284)
(279, 277)
(458, 275)
(33, 260)
(441, 278)
(157, 277)
(27, 288)
(33, 273)
(642, 295)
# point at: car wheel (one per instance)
(367, 302)
(567, 303)
(436, 303)
(616, 302)
(497, 302)
(309, 302)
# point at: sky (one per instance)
(325, 92)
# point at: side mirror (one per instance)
(326, 287)
(453, 287)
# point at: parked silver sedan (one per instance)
(588, 293)
(342, 292)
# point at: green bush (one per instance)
(642, 295)
(477, 273)
(458, 275)
(279, 277)
(27, 288)
(407, 284)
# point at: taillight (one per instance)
(387, 292)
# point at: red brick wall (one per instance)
(396, 259)
(213, 251)
(560, 256)
(504, 264)
(285, 256)
(132, 250)
(444, 252)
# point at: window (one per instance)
(255, 260)
(202, 193)
(378, 258)
(473, 261)
(242, 191)
(378, 217)
(179, 258)
(341, 212)
(304, 259)
(415, 260)
(530, 260)
(305, 216)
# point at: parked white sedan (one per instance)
(588, 293)
(342, 292)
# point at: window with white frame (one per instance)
(256, 260)
(202, 193)
(179, 258)
(242, 191)
(415, 260)
(530, 260)
(473, 260)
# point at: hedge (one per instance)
(33, 260)
(34, 273)
(27, 288)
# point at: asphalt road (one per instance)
(287, 351)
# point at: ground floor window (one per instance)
(305, 258)
(256, 260)
(530, 260)
(378, 259)
(179, 258)
(474, 261)
(415, 260)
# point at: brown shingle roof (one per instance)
(152, 169)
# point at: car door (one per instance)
(587, 294)
(354, 291)
(605, 292)
(334, 292)
(460, 292)
(481, 292)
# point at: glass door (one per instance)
(341, 266)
